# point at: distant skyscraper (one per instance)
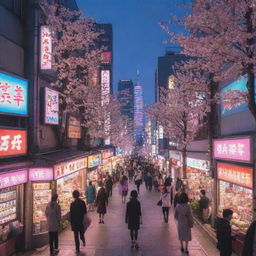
(126, 98)
(138, 110)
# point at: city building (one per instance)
(126, 99)
(138, 112)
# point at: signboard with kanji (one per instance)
(46, 48)
(13, 95)
(236, 149)
(235, 174)
(51, 106)
(13, 142)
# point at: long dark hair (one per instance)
(54, 200)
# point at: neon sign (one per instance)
(51, 106)
(13, 142)
(46, 48)
(13, 95)
(13, 178)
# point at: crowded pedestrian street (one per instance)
(156, 238)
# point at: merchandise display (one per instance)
(8, 207)
(65, 187)
(199, 180)
(10, 230)
(41, 196)
(238, 199)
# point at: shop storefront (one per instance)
(70, 176)
(93, 174)
(198, 177)
(235, 169)
(11, 209)
(175, 164)
(106, 166)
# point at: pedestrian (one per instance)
(133, 218)
(90, 196)
(224, 236)
(150, 182)
(204, 203)
(176, 198)
(109, 185)
(124, 187)
(131, 174)
(178, 184)
(138, 181)
(250, 241)
(166, 203)
(77, 211)
(101, 203)
(53, 215)
(183, 215)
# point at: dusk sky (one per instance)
(138, 39)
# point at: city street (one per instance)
(112, 238)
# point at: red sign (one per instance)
(13, 142)
(236, 174)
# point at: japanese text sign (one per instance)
(13, 142)
(13, 95)
(199, 164)
(94, 160)
(40, 174)
(13, 178)
(46, 48)
(107, 154)
(236, 174)
(238, 149)
(63, 169)
(51, 106)
(74, 128)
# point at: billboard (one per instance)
(94, 160)
(13, 142)
(51, 107)
(228, 108)
(74, 128)
(13, 95)
(236, 149)
(46, 48)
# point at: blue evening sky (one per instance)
(137, 37)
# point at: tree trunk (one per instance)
(184, 162)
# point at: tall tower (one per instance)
(138, 110)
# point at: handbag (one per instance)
(86, 222)
(159, 203)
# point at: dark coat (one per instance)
(204, 202)
(101, 201)
(77, 212)
(133, 214)
(109, 184)
(224, 237)
(249, 239)
(176, 199)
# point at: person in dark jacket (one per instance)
(101, 203)
(178, 184)
(204, 203)
(250, 241)
(150, 182)
(77, 212)
(224, 236)
(133, 218)
(109, 185)
(176, 198)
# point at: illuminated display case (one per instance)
(239, 199)
(8, 205)
(65, 187)
(41, 196)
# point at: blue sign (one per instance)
(228, 108)
(13, 95)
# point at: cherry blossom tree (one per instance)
(221, 36)
(182, 109)
(75, 60)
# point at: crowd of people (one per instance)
(138, 170)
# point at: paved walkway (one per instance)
(112, 238)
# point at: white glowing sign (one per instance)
(51, 106)
(161, 132)
(46, 48)
(105, 91)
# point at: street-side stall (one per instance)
(106, 166)
(235, 183)
(11, 209)
(70, 176)
(93, 174)
(175, 164)
(198, 177)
